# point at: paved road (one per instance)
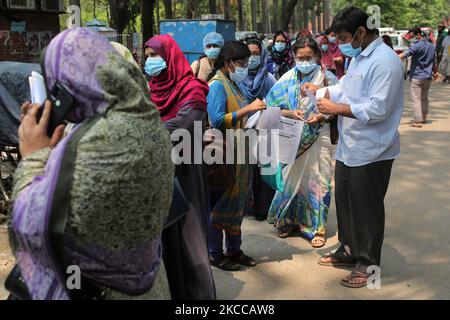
(416, 251)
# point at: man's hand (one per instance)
(33, 135)
(325, 106)
(309, 86)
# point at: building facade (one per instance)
(26, 27)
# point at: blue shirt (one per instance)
(217, 105)
(422, 59)
(373, 87)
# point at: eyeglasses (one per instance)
(240, 63)
(303, 59)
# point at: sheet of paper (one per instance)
(37, 88)
(269, 118)
(253, 120)
(290, 133)
(321, 94)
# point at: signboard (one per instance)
(18, 26)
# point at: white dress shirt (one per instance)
(373, 87)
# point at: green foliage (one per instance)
(402, 14)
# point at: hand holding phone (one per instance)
(33, 134)
(61, 103)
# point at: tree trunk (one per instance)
(227, 9)
(212, 6)
(147, 23)
(168, 13)
(305, 7)
(287, 14)
(275, 11)
(241, 15)
(254, 15)
(314, 19)
(77, 3)
(326, 13)
(119, 14)
(190, 8)
(265, 16)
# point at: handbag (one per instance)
(220, 176)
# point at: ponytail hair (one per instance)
(231, 51)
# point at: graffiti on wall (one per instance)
(24, 43)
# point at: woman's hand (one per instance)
(309, 86)
(294, 114)
(256, 105)
(33, 135)
(315, 119)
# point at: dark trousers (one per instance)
(360, 193)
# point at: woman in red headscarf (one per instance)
(181, 101)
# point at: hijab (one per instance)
(176, 86)
(258, 83)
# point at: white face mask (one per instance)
(239, 74)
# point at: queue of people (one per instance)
(106, 196)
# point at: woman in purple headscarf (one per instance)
(95, 201)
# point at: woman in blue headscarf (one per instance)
(212, 43)
(256, 86)
(259, 81)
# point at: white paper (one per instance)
(37, 88)
(290, 132)
(269, 118)
(321, 94)
(253, 120)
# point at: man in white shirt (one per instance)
(368, 102)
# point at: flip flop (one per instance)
(243, 259)
(340, 260)
(224, 263)
(284, 232)
(355, 274)
(416, 125)
(320, 242)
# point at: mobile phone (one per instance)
(62, 102)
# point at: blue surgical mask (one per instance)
(324, 47)
(280, 46)
(306, 67)
(212, 53)
(154, 66)
(239, 74)
(332, 39)
(254, 62)
(348, 50)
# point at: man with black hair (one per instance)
(423, 67)
(368, 102)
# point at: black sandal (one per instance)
(224, 263)
(243, 259)
(340, 260)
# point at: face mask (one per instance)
(324, 47)
(212, 53)
(348, 50)
(154, 66)
(415, 40)
(254, 62)
(332, 39)
(239, 74)
(280, 46)
(306, 67)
